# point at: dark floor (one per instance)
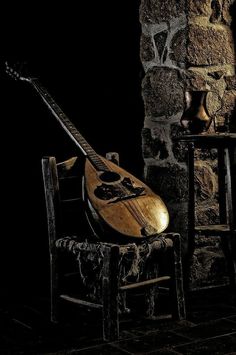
(210, 328)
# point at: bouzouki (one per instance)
(121, 202)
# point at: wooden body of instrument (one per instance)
(120, 200)
(132, 213)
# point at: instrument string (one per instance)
(135, 211)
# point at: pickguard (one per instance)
(121, 190)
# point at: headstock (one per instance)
(16, 71)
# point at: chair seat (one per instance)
(133, 258)
(140, 265)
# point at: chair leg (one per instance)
(54, 291)
(177, 291)
(53, 288)
(110, 293)
(152, 293)
(150, 301)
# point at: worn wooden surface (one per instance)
(128, 216)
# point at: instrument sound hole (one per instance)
(109, 176)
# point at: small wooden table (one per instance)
(225, 144)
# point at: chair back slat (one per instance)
(52, 196)
(63, 195)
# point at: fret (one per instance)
(69, 127)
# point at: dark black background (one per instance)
(87, 56)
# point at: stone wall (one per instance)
(186, 46)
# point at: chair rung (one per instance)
(213, 230)
(69, 177)
(72, 200)
(80, 302)
(144, 283)
(161, 317)
(70, 274)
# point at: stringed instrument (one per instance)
(115, 197)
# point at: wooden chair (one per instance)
(107, 271)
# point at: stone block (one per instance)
(179, 149)
(146, 48)
(153, 147)
(199, 8)
(178, 47)
(210, 46)
(163, 92)
(227, 111)
(168, 182)
(196, 81)
(153, 11)
(213, 103)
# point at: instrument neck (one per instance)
(70, 128)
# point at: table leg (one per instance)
(191, 215)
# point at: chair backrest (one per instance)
(63, 195)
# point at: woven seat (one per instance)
(106, 273)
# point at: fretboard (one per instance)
(69, 127)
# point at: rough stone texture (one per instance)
(176, 130)
(196, 81)
(206, 154)
(216, 74)
(160, 41)
(202, 241)
(163, 92)
(170, 182)
(230, 82)
(213, 103)
(207, 213)
(199, 8)
(227, 110)
(180, 149)
(199, 57)
(146, 48)
(209, 267)
(205, 181)
(217, 86)
(153, 147)
(153, 11)
(210, 46)
(180, 152)
(208, 78)
(178, 47)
